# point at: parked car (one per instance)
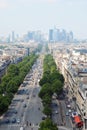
(56, 112)
(68, 106)
(74, 114)
(14, 120)
(21, 128)
(18, 121)
(70, 110)
(27, 97)
(67, 113)
(15, 111)
(7, 121)
(43, 118)
(24, 105)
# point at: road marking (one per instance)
(64, 128)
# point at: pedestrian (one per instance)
(27, 123)
(38, 108)
(30, 123)
(64, 123)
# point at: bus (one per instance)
(78, 121)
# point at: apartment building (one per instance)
(73, 66)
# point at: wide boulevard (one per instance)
(25, 111)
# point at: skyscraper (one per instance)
(71, 36)
(13, 36)
(8, 39)
(51, 35)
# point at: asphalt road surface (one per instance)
(26, 107)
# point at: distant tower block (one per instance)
(28, 51)
(13, 36)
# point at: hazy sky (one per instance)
(24, 15)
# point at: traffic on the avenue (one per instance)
(26, 109)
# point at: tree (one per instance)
(13, 70)
(47, 110)
(57, 86)
(12, 86)
(6, 78)
(3, 104)
(57, 75)
(48, 125)
(46, 99)
(45, 79)
(46, 89)
(11, 81)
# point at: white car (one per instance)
(18, 121)
(56, 112)
(68, 106)
(67, 113)
(70, 110)
(21, 128)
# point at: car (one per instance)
(15, 111)
(53, 97)
(27, 97)
(33, 95)
(21, 128)
(43, 118)
(18, 120)
(68, 106)
(38, 80)
(14, 120)
(70, 110)
(22, 100)
(24, 105)
(55, 104)
(67, 113)
(27, 93)
(22, 85)
(74, 114)
(72, 119)
(7, 121)
(56, 112)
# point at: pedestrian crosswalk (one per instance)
(64, 128)
(17, 126)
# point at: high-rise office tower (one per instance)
(55, 35)
(63, 37)
(8, 39)
(28, 50)
(51, 35)
(71, 36)
(13, 36)
(30, 35)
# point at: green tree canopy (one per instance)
(46, 89)
(47, 110)
(47, 125)
(57, 86)
(13, 70)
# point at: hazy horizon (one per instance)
(24, 15)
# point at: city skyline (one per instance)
(54, 35)
(24, 15)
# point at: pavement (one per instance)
(26, 95)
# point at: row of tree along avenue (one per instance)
(11, 81)
(51, 82)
